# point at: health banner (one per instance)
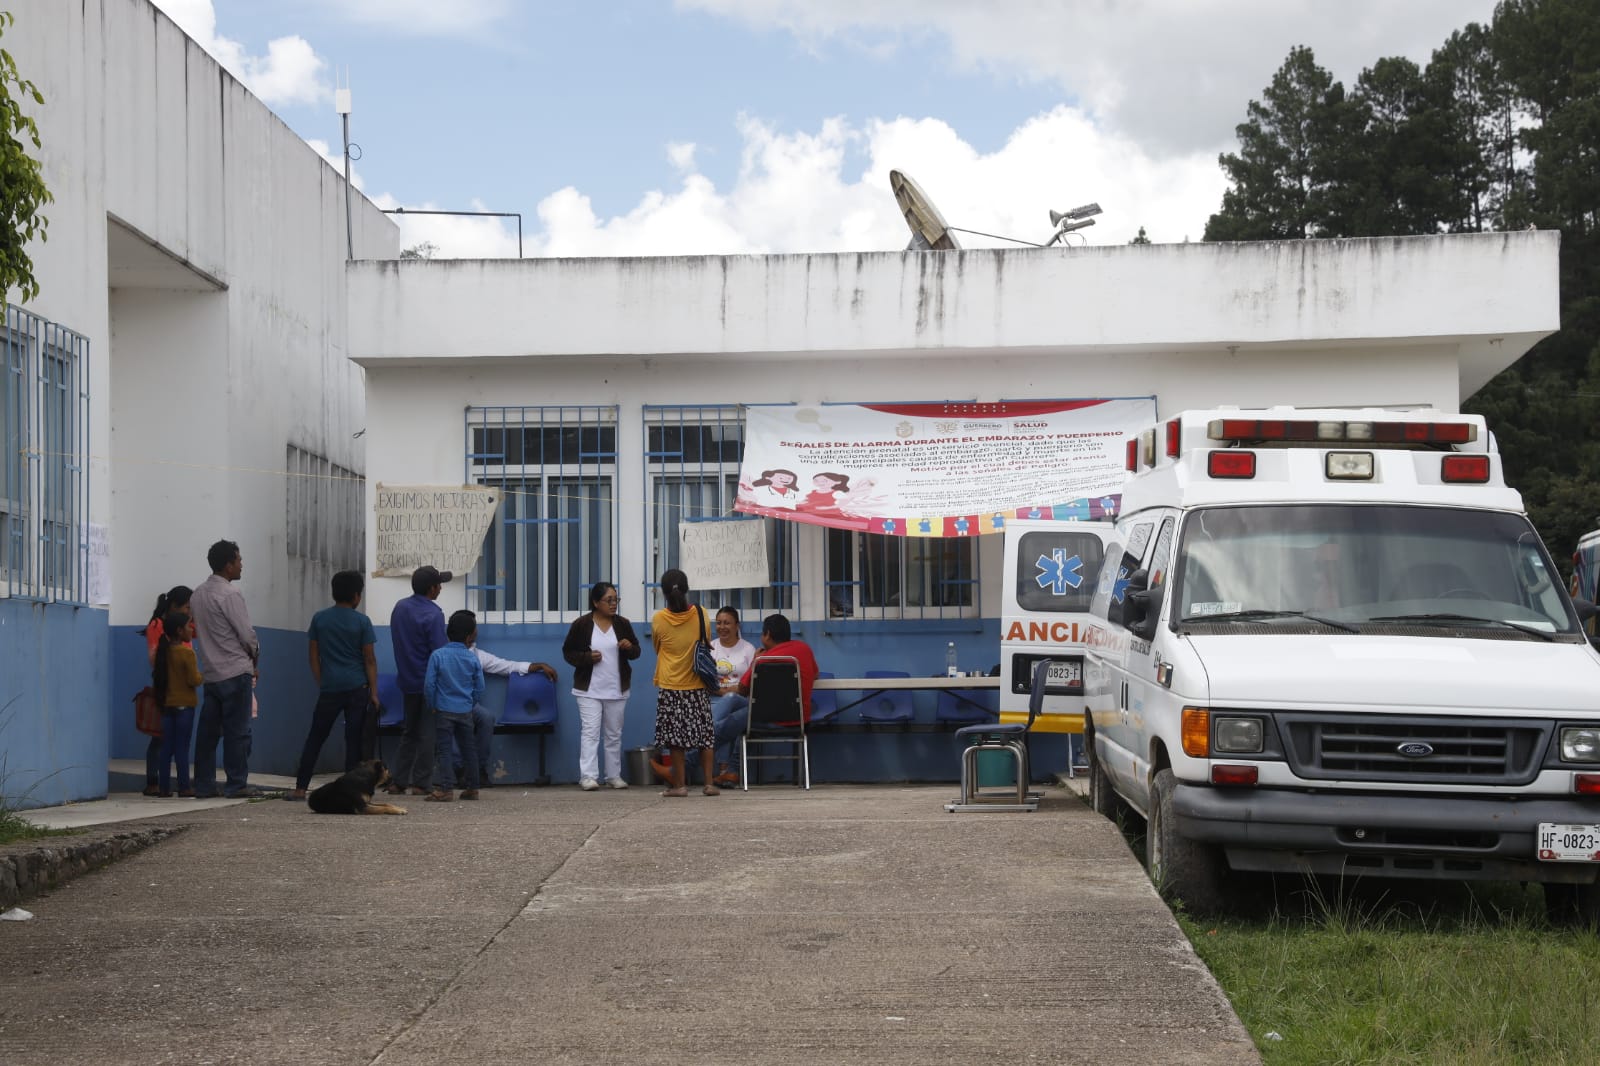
(938, 469)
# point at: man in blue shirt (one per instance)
(416, 625)
(340, 641)
(453, 686)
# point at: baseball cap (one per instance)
(424, 578)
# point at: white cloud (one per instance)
(424, 17)
(792, 193)
(1173, 73)
(290, 72)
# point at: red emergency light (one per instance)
(1174, 438)
(1231, 464)
(1133, 454)
(1473, 469)
(1586, 784)
(1234, 776)
(1252, 429)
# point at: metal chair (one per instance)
(777, 716)
(1009, 739)
(530, 708)
(888, 705)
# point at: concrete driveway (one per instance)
(848, 924)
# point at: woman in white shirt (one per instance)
(733, 654)
(600, 646)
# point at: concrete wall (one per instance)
(200, 244)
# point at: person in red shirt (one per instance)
(776, 639)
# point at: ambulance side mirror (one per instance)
(1144, 605)
(1586, 610)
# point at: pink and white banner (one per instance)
(938, 469)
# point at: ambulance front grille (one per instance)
(1479, 751)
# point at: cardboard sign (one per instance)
(431, 525)
(724, 554)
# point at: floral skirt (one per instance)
(683, 718)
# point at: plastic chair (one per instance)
(964, 708)
(393, 718)
(824, 703)
(776, 717)
(1008, 739)
(530, 708)
(888, 705)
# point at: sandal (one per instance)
(676, 793)
(439, 797)
(726, 779)
(711, 790)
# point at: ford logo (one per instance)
(1415, 749)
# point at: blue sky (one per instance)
(661, 127)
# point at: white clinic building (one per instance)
(202, 363)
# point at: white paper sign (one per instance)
(97, 582)
(431, 525)
(725, 554)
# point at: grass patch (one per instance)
(1410, 974)
(1389, 972)
(13, 827)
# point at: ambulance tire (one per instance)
(1184, 871)
(1102, 797)
(1572, 905)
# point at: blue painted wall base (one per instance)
(54, 685)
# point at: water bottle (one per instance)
(950, 661)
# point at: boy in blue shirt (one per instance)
(452, 686)
(346, 673)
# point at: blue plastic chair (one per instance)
(824, 702)
(965, 708)
(530, 708)
(888, 706)
(393, 717)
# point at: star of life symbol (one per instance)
(1059, 573)
(1120, 588)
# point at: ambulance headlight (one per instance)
(1238, 736)
(1580, 743)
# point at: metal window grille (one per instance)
(44, 473)
(555, 533)
(692, 456)
(325, 505)
(870, 575)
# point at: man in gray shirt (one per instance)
(229, 651)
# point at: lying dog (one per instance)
(351, 793)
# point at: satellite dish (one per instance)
(929, 233)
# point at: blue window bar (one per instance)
(44, 471)
(692, 457)
(556, 529)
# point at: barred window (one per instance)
(870, 575)
(692, 456)
(555, 533)
(44, 474)
(326, 510)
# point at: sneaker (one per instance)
(588, 784)
(617, 782)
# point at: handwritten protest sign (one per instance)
(431, 525)
(727, 554)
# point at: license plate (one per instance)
(1560, 842)
(1064, 673)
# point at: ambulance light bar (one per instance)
(1242, 430)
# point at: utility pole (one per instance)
(341, 104)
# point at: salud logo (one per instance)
(1415, 749)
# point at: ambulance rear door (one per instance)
(1051, 569)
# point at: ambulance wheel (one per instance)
(1184, 871)
(1102, 797)
(1572, 905)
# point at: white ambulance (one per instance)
(1330, 642)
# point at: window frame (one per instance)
(538, 554)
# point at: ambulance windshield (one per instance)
(1369, 567)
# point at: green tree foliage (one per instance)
(1500, 131)
(22, 189)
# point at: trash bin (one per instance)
(996, 769)
(639, 772)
